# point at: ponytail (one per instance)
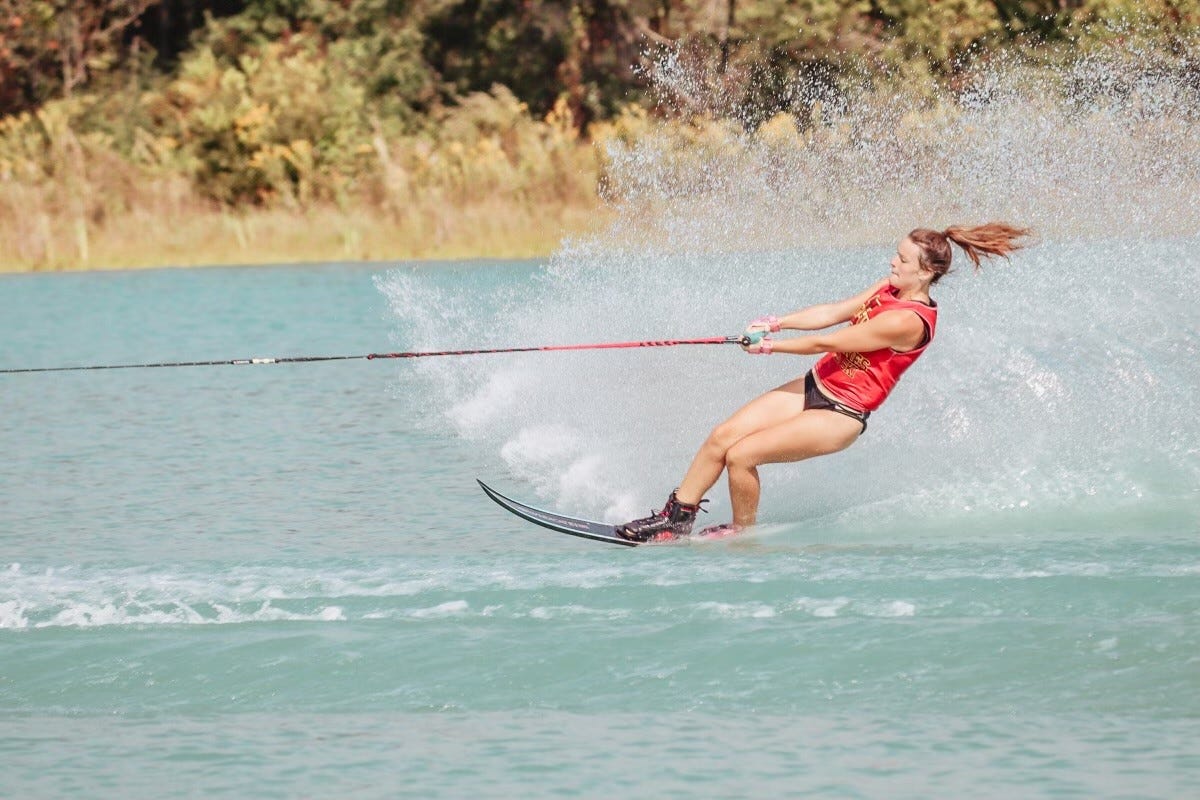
(978, 242)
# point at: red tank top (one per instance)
(864, 380)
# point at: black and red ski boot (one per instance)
(673, 522)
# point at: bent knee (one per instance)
(742, 456)
(722, 438)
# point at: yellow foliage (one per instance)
(780, 131)
(490, 180)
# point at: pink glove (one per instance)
(759, 340)
(770, 323)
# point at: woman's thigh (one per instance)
(812, 433)
(765, 411)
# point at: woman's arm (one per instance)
(901, 330)
(825, 315)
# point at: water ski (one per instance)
(583, 528)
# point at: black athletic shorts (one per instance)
(814, 398)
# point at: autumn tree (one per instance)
(51, 47)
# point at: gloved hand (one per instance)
(768, 324)
(756, 343)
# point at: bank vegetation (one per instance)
(161, 132)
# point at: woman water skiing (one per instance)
(891, 324)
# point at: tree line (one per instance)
(413, 55)
(442, 127)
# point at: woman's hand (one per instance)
(767, 324)
(757, 343)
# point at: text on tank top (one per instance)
(864, 380)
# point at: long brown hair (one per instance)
(980, 241)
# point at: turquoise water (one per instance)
(282, 581)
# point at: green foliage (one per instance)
(937, 33)
(281, 125)
(816, 26)
(295, 102)
(541, 49)
(52, 47)
(1169, 22)
(490, 146)
(475, 43)
(375, 44)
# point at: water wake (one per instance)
(704, 582)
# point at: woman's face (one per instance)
(907, 273)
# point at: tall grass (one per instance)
(276, 158)
(488, 180)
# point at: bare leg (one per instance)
(776, 406)
(812, 433)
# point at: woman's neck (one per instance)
(920, 294)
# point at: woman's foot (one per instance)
(720, 531)
(673, 522)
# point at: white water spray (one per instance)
(1059, 391)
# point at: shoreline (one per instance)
(210, 238)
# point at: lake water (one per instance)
(283, 581)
